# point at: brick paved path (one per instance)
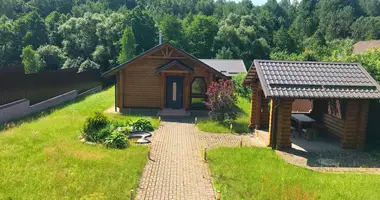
(177, 171)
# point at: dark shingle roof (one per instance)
(121, 66)
(293, 79)
(227, 67)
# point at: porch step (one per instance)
(167, 112)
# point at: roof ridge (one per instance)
(317, 62)
(219, 59)
(114, 69)
(279, 80)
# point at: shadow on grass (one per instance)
(239, 126)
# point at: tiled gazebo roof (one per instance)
(295, 79)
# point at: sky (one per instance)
(255, 2)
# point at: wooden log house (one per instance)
(166, 77)
(340, 94)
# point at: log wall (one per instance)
(334, 125)
(264, 115)
(140, 86)
(352, 129)
(283, 123)
(254, 110)
(355, 127)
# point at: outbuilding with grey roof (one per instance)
(340, 94)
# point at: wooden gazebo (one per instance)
(340, 94)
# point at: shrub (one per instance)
(119, 123)
(93, 126)
(221, 99)
(143, 125)
(116, 140)
(104, 133)
(240, 89)
(88, 65)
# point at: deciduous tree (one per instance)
(128, 46)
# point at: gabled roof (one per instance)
(227, 67)
(120, 67)
(294, 79)
(174, 63)
(363, 46)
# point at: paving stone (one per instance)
(178, 171)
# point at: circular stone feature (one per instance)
(143, 141)
(139, 134)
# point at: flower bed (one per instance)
(112, 134)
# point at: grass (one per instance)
(258, 173)
(239, 126)
(132, 118)
(42, 158)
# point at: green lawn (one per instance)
(258, 173)
(42, 158)
(239, 126)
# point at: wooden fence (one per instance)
(37, 87)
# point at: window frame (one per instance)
(197, 95)
(341, 109)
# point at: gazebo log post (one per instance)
(253, 118)
(282, 123)
(355, 126)
(258, 108)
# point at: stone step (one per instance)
(174, 112)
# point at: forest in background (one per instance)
(47, 35)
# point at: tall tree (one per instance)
(171, 29)
(283, 41)
(109, 32)
(241, 37)
(45, 7)
(52, 57)
(306, 22)
(30, 60)
(53, 21)
(144, 30)
(9, 49)
(128, 46)
(200, 36)
(31, 29)
(336, 17)
(370, 7)
(79, 35)
(366, 28)
(102, 56)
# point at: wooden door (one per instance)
(174, 92)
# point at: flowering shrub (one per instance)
(221, 98)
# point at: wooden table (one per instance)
(302, 119)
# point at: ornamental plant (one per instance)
(221, 98)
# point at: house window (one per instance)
(337, 108)
(198, 93)
(174, 91)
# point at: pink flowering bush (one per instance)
(221, 99)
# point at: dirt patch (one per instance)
(111, 110)
(49, 150)
(214, 140)
(296, 192)
(347, 161)
(85, 155)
